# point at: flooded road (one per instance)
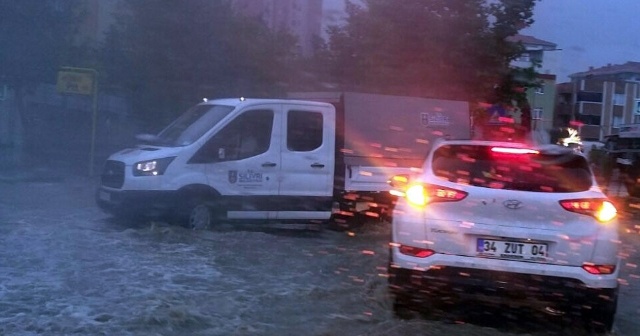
(66, 268)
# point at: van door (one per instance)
(243, 162)
(307, 154)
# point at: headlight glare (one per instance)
(147, 166)
(152, 167)
(416, 194)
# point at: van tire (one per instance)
(198, 215)
(346, 218)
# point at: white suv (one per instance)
(499, 220)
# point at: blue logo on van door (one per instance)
(434, 119)
(250, 176)
(233, 176)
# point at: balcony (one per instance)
(590, 132)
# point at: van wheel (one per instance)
(199, 215)
(345, 218)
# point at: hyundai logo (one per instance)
(512, 204)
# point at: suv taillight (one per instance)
(599, 269)
(416, 251)
(599, 208)
(422, 194)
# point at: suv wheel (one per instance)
(601, 316)
(399, 287)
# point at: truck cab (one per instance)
(263, 159)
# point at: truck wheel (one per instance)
(345, 217)
(199, 216)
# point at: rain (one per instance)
(82, 80)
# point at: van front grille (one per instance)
(113, 174)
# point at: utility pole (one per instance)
(82, 81)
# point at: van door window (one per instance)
(304, 131)
(246, 136)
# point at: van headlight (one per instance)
(152, 167)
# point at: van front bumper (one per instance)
(150, 203)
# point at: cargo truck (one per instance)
(310, 159)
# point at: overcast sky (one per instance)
(589, 32)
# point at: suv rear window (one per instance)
(479, 166)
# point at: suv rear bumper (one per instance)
(542, 293)
(438, 263)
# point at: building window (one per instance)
(618, 99)
(617, 121)
(589, 119)
(595, 97)
(536, 114)
(524, 57)
(540, 89)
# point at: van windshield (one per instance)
(193, 124)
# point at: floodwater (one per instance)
(66, 268)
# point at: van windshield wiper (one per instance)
(150, 139)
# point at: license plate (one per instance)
(511, 249)
(105, 196)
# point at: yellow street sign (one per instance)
(75, 82)
(82, 81)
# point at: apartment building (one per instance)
(599, 100)
(302, 18)
(543, 55)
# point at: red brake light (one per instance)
(601, 209)
(513, 150)
(599, 269)
(416, 251)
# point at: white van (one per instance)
(279, 160)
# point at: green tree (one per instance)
(310, 73)
(168, 54)
(37, 37)
(438, 48)
(510, 17)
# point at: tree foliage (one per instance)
(37, 38)
(510, 17)
(167, 54)
(439, 48)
